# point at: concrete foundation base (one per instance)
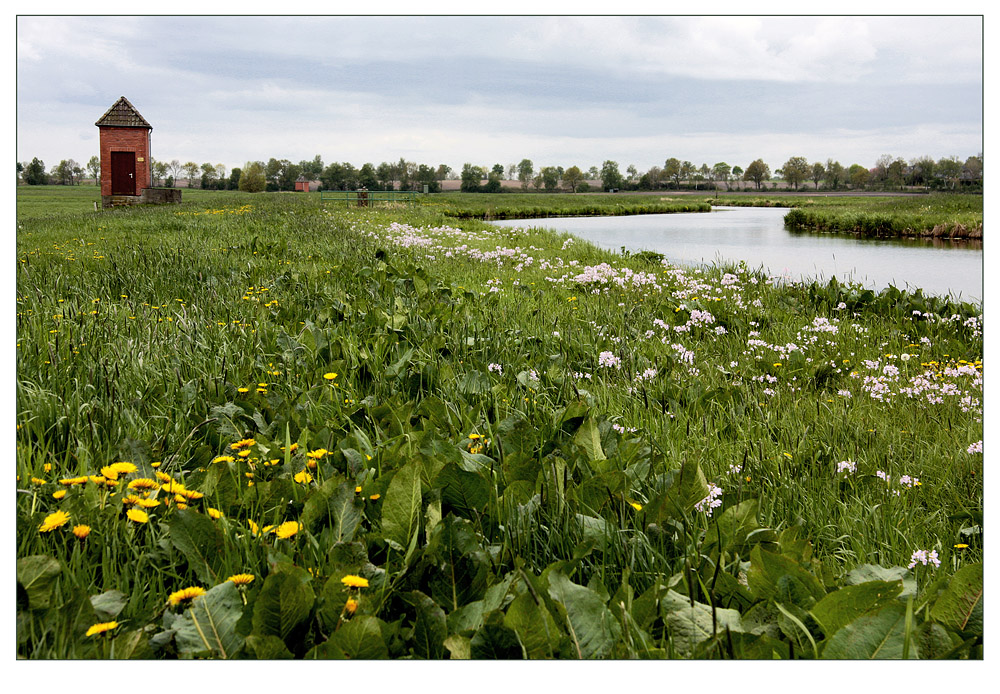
(148, 196)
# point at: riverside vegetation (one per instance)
(254, 427)
(935, 215)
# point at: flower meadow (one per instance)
(253, 427)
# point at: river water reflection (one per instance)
(758, 236)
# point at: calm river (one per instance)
(758, 236)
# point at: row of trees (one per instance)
(281, 174)
(888, 173)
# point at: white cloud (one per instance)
(561, 90)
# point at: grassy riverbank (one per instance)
(391, 433)
(938, 215)
(538, 205)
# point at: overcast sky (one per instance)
(560, 91)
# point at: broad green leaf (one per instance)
(687, 487)
(960, 607)
(575, 410)
(401, 508)
(461, 566)
(873, 572)
(36, 574)
(843, 606)
(459, 647)
(690, 625)
(333, 504)
(284, 601)
(210, 623)
(589, 438)
(430, 629)
(494, 641)
(361, 639)
(595, 530)
(598, 491)
(535, 628)
(756, 647)
(733, 525)
(132, 645)
(935, 641)
(517, 435)
(200, 541)
(775, 576)
(268, 647)
(467, 618)
(109, 605)
(465, 493)
(874, 636)
(591, 625)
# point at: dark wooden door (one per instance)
(123, 173)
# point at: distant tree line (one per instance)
(888, 173)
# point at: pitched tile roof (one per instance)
(123, 115)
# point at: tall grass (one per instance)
(552, 396)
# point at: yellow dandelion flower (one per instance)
(223, 459)
(214, 513)
(475, 436)
(155, 465)
(143, 483)
(317, 454)
(81, 531)
(52, 521)
(375, 497)
(961, 546)
(242, 389)
(636, 506)
(245, 453)
(357, 490)
(303, 477)
(243, 443)
(47, 467)
(109, 472)
(137, 516)
(288, 529)
(59, 494)
(163, 477)
(131, 500)
(242, 579)
(38, 481)
(311, 464)
(124, 468)
(190, 495)
(254, 529)
(266, 529)
(70, 481)
(352, 581)
(330, 376)
(147, 503)
(101, 628)
(184, 594)
(351, 606)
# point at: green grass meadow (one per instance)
(261, 427)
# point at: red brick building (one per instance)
(126, 167)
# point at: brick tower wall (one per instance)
(117, 139)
